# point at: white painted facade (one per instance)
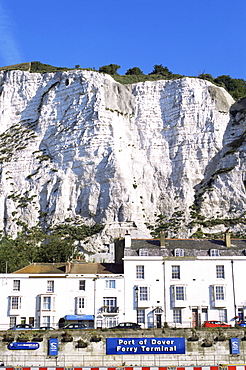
(186, 292)
(182, 291)
(42, 300)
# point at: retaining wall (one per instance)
(94, 355)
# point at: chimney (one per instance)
(127, 240)
(162, 239)
(227, 238)
(67, 268)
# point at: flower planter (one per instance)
(81, 344)
(193, 339)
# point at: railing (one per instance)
(109, 309)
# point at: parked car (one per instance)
(46, 328)
(22, 327)
(241, 323)
(75, 326)
(126, 325)
(213, 324)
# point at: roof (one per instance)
(191, 247)
(71, 268)
(43, 268)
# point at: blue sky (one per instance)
(189, 37)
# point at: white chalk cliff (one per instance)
(77, 145)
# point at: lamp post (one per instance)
(136, 296)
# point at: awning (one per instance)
(78, 317)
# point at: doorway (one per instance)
(194, 317)
(158, 321)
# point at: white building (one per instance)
(49, 294)
(184, 282)
(178, 282)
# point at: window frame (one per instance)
(110, 284)
(16, 285)
(219, 292)
(220, 271)
(143, 252)
(82, 285)
(141, 316)
(214, 253)
(144, 293)
(177, 316)
(15, 302)
(50, 286)
(178, 252)
(140, 272)
(176, 274)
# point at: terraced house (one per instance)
(175, 282)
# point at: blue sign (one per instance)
(23, 345)
(235, 346)
(53, 347)
(136, 346)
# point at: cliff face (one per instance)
(77, 145)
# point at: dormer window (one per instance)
(143, 252)
(178, 252)
(214, 253)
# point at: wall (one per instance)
(95, 353)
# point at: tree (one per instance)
(160, 70)
(56, 248)
(111, 69)
(134, 71)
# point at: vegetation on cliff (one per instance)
(235, 86)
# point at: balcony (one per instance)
(109, 310)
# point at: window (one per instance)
(141, 316)
(46, 303)
(219, 293)
(179, 252)
(143, 252)
(178, 293)
(82, 285)
(111, 321)
(177, 317)
(15, 303)
(16, 285)
(110, 284)
(50, 286)
(12, 321)
(223, 315)
(139, 272)
(180, 296)
(46, 321)
(143, 293)
(81, 302)
(110, 304)
(175, 272)
(220, 272)
(214, 253)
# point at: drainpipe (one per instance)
(233, 287)
(164, 292)
(136, 297)
(95, 305)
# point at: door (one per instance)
(158, 321)
(204, 315)
(194, 317)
